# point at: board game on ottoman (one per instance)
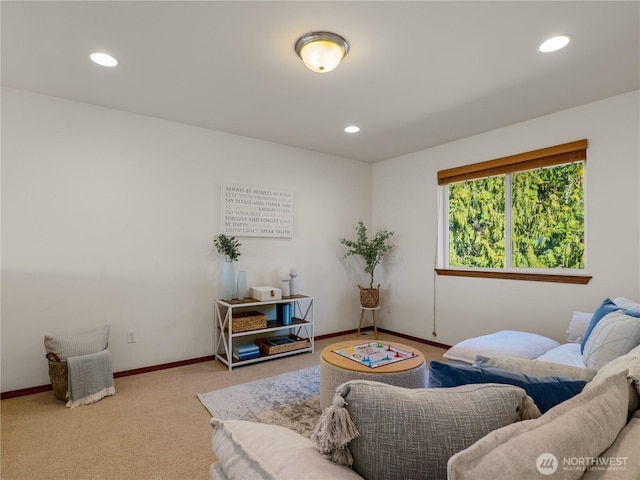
(387, 362)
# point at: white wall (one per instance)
(405, 193)
(108, 217)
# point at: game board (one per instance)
(374, 354)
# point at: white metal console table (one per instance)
(301, 326)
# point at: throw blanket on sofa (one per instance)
(90, 378)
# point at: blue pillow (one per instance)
(605, 308)
(546, 392)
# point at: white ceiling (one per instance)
(418, 74)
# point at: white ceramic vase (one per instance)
(242, 285)
(294, 285)
(228, 280)
(284, 286)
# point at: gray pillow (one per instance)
(411, 433)
(65, 346)
(581, 428)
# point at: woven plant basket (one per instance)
(58, 374)
(369, 297)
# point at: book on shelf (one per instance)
(246, 348)
(246, 356)
(284, 313)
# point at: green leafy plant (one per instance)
(371, 250)
(227, 246)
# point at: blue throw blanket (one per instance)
(90, 378)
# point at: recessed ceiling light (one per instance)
(352, 129)
(554, 43)
(103, 59)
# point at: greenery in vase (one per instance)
(227, 246)
(371, 250)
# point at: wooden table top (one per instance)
(339, 361)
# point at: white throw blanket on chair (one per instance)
(90, 378)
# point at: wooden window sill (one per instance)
(531, 277)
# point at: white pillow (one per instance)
(578, 326)
(616, 334)
(506, 342)
(535, 368)
(567, 354)
(257, 450)
(626, 303)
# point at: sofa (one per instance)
(533, 346)
(469, 431)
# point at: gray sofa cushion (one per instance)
(411, 433)
(535, 368)
(623, 456)
(580, 428)
(630, 363)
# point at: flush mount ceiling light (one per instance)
(352, 129)
(321, 52)
(554, 43)
(103, 59)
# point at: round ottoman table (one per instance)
(336, 369)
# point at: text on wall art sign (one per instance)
(256, 211)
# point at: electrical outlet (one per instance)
(132, 336)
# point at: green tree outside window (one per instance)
(546, 218)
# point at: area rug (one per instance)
(290, 400)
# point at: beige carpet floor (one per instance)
(153, 428)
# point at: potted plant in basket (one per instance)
(229, 247)
(371, 250)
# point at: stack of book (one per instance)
(245, 352)
(284, 313)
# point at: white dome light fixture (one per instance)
(103, 59)
(321, 52)
(352, 129)
(554, 43)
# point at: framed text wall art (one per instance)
(256, 211)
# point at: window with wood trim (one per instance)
(519, 213)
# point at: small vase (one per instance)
(294, 285)
(242, 285)
(228, 280)
(284, 286)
